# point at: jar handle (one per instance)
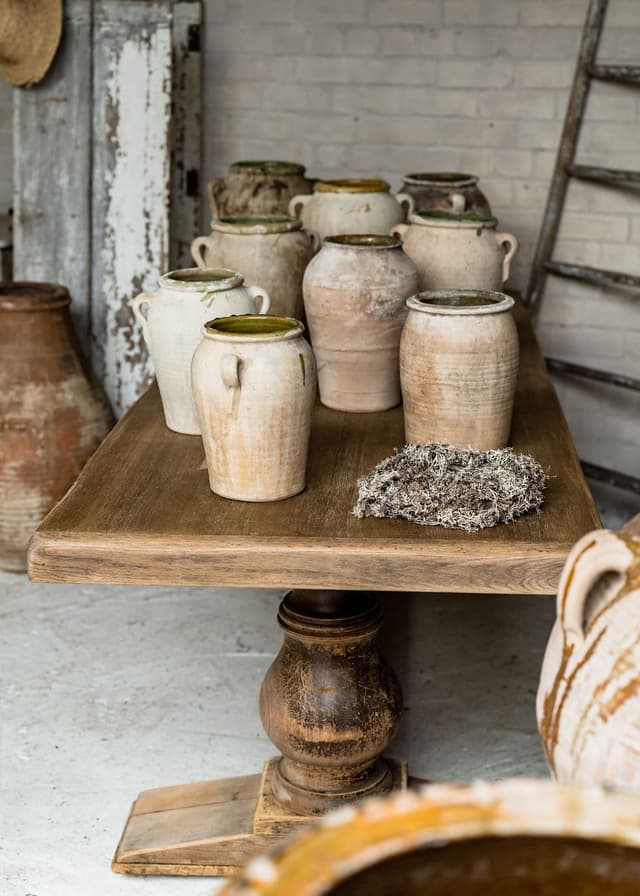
(513, 245)
(230, 370)
(406, 202)
(399, 230)
(316, 241)
(458, 202)
(257, 292)
(198, 247)
(591, 559)
(298, 203)
(140, 305)
(214, 188)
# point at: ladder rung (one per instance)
(611, 477)
(617, 176)
(628, 74)
(592, 275)
(603, 376)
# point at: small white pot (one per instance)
(351, 206)
(171, 320)
(457, 251)
(458, 368)
(254, 386)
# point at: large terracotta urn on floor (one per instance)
(257, 188)
(254, 387)
(589, 694)
(511, 838)
(457, 251)
(171, 319)
(52, 416)
(269, 249)
(458, 368)
(353, 205)
(447, 191)
(354, 295)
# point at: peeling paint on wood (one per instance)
(131, 117)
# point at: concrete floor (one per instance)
(110, 690)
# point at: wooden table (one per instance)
(142, 513)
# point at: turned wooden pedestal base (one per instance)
(330, 703)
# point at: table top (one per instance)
(142, 512)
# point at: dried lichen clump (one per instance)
(438, 485)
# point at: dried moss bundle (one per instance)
(438, 485)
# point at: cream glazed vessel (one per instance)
(171, 320)
(254, 387)
(351, 206)
(269, 249)
(354, 295)
(457, 251)
(588, 701)
(459, 357)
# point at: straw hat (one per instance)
(30, 32)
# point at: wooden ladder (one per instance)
(566, 168)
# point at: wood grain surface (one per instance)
(142, 512)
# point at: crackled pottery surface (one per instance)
(354, 293)
(257, 188)
(447, 191)
(254, 386)
(272, 250)
(351, 206)
(511, 838)
(459, 357)
(52, 414)
(589, 695)
(171, 320)
(457, 251)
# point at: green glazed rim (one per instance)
(452, 219)
(202, 279)
(352, 185)
(441, 178)
(268, 166)
(460, 301)
(252, 328)
(247, 224)
(363, 241)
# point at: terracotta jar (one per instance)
(458, 368)
(254, 386)
(589, 695)
(52, 416)
(447, 191)
(351, 206)
(511, 838)
(457, 251)
(171, 320)
(354, 295)
(257, 188)
(269, 249)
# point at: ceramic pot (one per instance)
(589, 695)
(457, 251)
(511, 838)
(354, 295)
(52, 415)
(254, 386)
(447, 191)
(257, 188)
(171, 320)
(351, 206)
(270, 249)
(458, 368)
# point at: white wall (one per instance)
(392, 86)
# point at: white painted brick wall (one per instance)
(354, 87)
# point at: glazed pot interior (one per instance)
(253, 224)
(262, 325)
(364, 241)
(502, 866)
(352, 185)
(462, 300)
(255, 220)
(442, 177)
(202, 279)
(269, 166)
(466, 218)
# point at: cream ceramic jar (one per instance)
(457, 251)
(351, 206)
(254, 387)
(171, 320)
(354, 295)
(458, 368)
(269, 249)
